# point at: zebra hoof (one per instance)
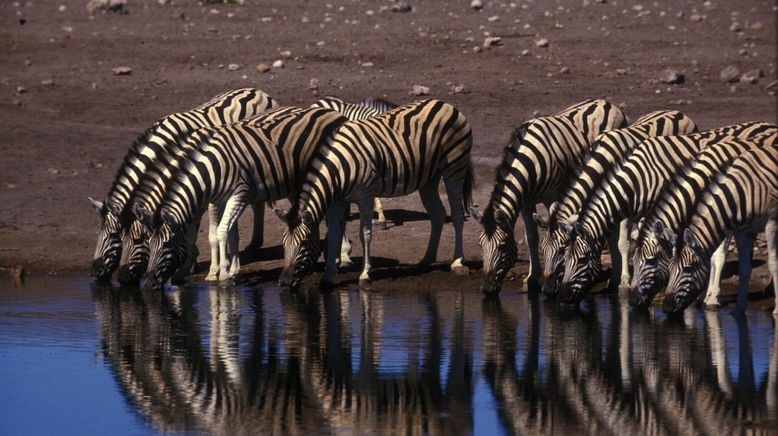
(212, 277)
(365, 282)
(710, 305)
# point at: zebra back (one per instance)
(367, 108)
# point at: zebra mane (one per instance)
(509, 155)
(133, 153)
(378, 104)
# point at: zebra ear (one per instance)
(581, 231)
(142, 214)
(97, 205)
(691, 242)
(307, 217)
(169, 219)
(477, 215)
(541, 221)
(281, 214)
(500, 217)
(566, 228)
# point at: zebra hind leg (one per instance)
(745, 251)
(214, 216)
(379, 208)
(430, 198)
(714, 281)
(232, 211)
(771, 232)
(258, 234)
(365, 233)
(454, 191)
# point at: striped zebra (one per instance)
(542, 155)
(156, 142)
(654, 245)
(401, 151)
(629, 192)
(606, 151)
(253, 161)
(741, 199)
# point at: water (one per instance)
(205, 359)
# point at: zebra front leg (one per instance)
(257, 235)
(344, 259)
(379, 208)
(214, 216)
(365, 235)
(771, 233)
(456, 204)
(745, 251)
(335, 216)
(717, 260)
(619, 249)
(531, 233)
(430, 198)
(233, 250)
(191, 254)
(232, 211)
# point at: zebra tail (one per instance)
(468, 186)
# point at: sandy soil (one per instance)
(66, 120)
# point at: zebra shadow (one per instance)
(397, 217)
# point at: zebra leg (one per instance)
(379, 208)
(430, 198)
(622, 248)
(531, 234)
(745, 252)
(232, 211)
(717, 260)
(257, 235)
(214, 216)
(771, 233)
(455, 203)
(365, 234)
(335, 218)
(233, 250)
(191, 254)
(344, 260)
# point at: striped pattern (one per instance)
(254, 161)
(154, 145)
(401, 151)
(540, 159)
(607, 150)
(742, 199)
(659, 229)
(629, 193)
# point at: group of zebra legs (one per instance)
(239, 150)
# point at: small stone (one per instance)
(492, 41)
(401, 7)
(21, 89)
(263, 68)
(419, 90)
(278, 64)
(536, 114)
(62, 8)
(16, 102)
(696, 18)
(729, 74)
(53, 171)
(757, 26)
(313, 84)
(477, 49)
(458, 89)
(493, 18)
(524, 52)
(672, 76)
(119, 6)
(564, 70)
(47, 82)
(285, 54)
(542, 42)
(477, 5)
(771, 86)
(751, 76)
(233, 67)
(121, 71)
(367, 64)
(735, 27)
(621, 71)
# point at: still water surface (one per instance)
(82, 360)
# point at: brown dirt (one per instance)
(63, 142)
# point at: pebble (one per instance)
(285, 54)
(525, 52)
(771, 86)
(729, 74)
(47, 82)
(621, 71)
(735, 27)
(751, 76)
(492, 41)
(542, 42)
(477, 5)
(401, 7)
(672, 76)
(121, 71)
(419, 90)
(278, 64)
(564, 70)
(21, 89)
(697, 18)
(233, 67)
(458, 89)
(313, 85)
(757, 26)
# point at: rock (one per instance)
(285, 54)
(542, 42)
(458, 89)
(697, 18)
(47, 82)
(233, 67)
(757, 26)
(751, 76)
(671, 76)
(771, 86)
(419, 90)
(729, 74)
(564, 70)
(524, 52)
(263, 68)
(621, 71)
(477, 5)
(21, 89)
(278, 64)
(121, 71)
(735, 27)
(401, 7)
(119, 6)
(492, 41)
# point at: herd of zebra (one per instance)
(598, 176)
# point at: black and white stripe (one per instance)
(401, 151)
(629, 192)
(253, 161)
(541, 157)
(658, 230)
(154, 144)
(607, 150)
(741, 199)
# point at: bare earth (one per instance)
(66, 120)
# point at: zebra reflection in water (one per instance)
(225, 360)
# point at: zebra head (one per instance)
(301, 247)
(688, 275)
(582, 266)
(136, 240)
(108, 251)
(651, 263)
(167, 248)
(552, 249)
(499, 247)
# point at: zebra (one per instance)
(162, 136)
(541, 156)
(629, 192)
(606, 151)
(253, 161)
(401, 151)
(659, 229)
(742, 199)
